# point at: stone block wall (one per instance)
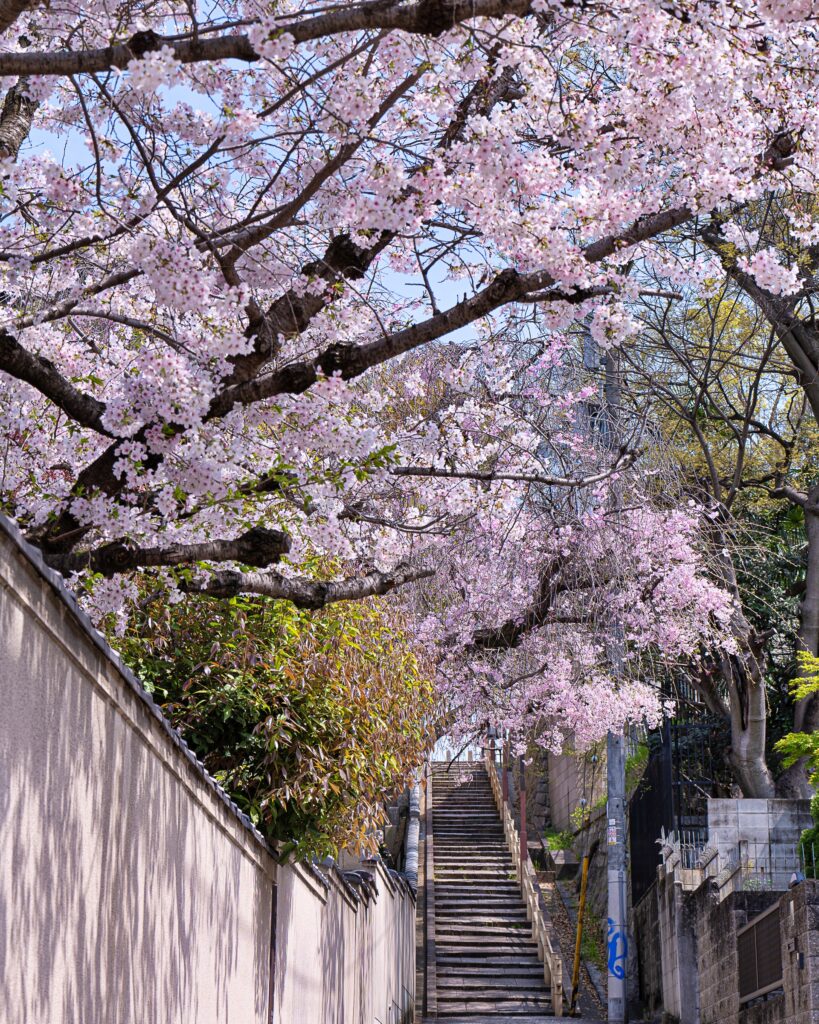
(538, 808)
(700, 961)
(717, 957)
(761, 834)
(799, 924)
(646, 928)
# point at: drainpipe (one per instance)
(413, 833)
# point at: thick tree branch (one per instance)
(44, 376)
(510, 633)
(306, 593)
(423, 17)
(10, 11)
(259, 546)
(508, 286)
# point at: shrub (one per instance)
(309, 720)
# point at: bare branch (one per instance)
(625, 460)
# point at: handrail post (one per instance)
(524, 844)
(505, 771)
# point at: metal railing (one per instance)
(526, 876)
(808, 858)
(751, 866)
(759, 948)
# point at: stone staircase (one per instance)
(486, 965)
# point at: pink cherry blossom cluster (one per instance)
(307, 269)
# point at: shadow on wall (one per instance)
(129, 892)
(346, 951)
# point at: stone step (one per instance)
(510, 962)
(476, 917)
(449, 911)
(519, 940)
(490, 985)
(488, 874)
(500, 1007)
(490, 969)
(462, 887)
(476, 933)
(466, 833)
(461, 864)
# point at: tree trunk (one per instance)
(743, 674)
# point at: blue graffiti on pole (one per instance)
(618, 951)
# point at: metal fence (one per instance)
(761, 866)
(808, 858)
(759, 946)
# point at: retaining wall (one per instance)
(131, 889)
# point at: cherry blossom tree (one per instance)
(231, 231)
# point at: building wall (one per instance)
(763, 835)
(131, 888)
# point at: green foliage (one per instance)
(583, 813)
(559, 840)
(592, 943)
(308, 720)
(635, 767)
(796, 745)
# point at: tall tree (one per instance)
(260, 207)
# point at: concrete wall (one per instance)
(677, 934)
(572, 777)
(131, 888)
(761, 836)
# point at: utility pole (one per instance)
(617, 938)
(617, 935)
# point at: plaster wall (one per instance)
(131, 889)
